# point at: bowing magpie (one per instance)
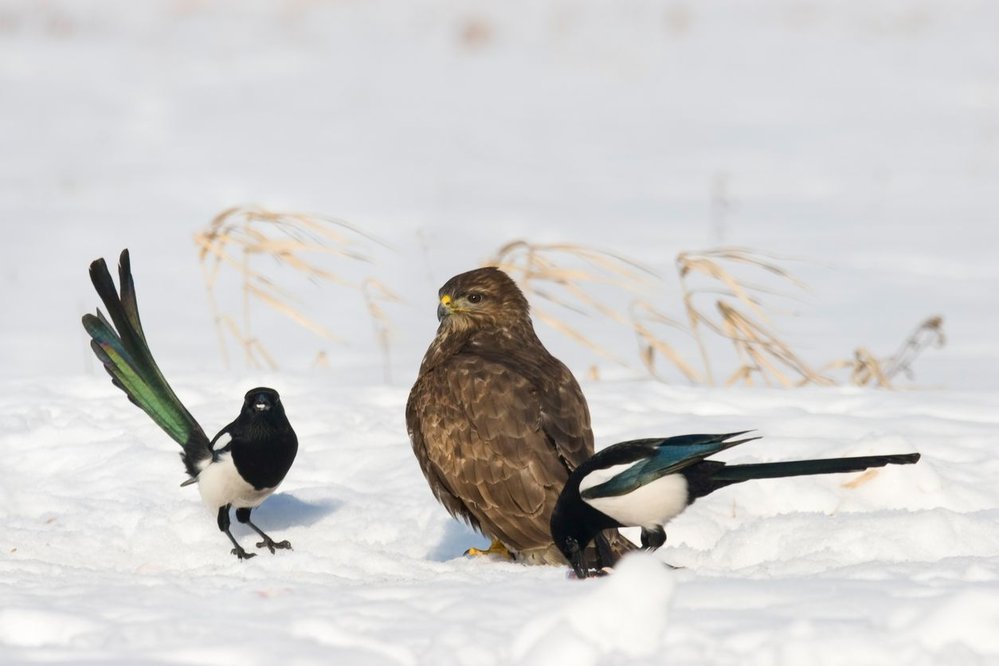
(648, 482)
(253, 453)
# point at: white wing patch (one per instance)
(598, 476)
(220, 483)
(649, 506)
(222, 441)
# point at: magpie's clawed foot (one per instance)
(653, 539)
(242, 554)
(590, 573)
(243, 516)
(271, 545)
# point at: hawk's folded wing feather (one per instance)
(486, 433)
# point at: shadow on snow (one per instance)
(283, 510)
(458, 537)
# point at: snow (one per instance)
(105, 558)
(859, 141)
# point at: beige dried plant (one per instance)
(239, 237)
(718, 301)
(866, 369)
(376, 293)
(645, 319)
(560, 278)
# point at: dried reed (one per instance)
(375, 292)
(643, 316)
(867, 369)
(717, 301)
(239, 236)
(743, 319)
(563, 276)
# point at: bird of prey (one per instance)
(648, 482)
(498, 423)
(254, 452)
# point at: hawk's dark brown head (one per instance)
(483, 298)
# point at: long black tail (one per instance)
(776, 470)
(122, 349)
(710, 475)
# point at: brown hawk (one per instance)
(497, 423)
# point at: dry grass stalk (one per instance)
(531, 260)
(928, 333)
(717, 300)
(761, 352)
(642, 314)
(376, 292)
(861, 479)
(867, 369)
(563, 276)
(574, 335)
(256, 353)
(240, 235)
(709, 263)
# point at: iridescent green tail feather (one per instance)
(120, 344)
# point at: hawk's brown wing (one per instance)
(427, 431)
(496, 445)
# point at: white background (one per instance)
(857, 141)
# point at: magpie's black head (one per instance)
(569, 544)
(262, 401)
(572, 527)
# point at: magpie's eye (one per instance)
(474, 298)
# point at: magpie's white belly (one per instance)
(651, 505)
(221, 484)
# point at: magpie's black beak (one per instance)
(262, 403)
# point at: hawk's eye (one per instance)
(474, 298)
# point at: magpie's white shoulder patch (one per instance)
(219, 444)
(222, 441)
(598, 476)
(648, 506)
(220, 483)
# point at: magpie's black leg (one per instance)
(652, 539)
(576, 558)
(605, 558)
(243, 516)
(224, 526)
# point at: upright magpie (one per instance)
(255, 451)
(648, 482)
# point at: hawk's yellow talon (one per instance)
(495, 548)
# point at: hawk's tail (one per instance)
(120, 344)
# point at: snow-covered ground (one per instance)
(105, 559)
(858, 140)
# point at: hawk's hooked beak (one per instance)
(444, 307)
